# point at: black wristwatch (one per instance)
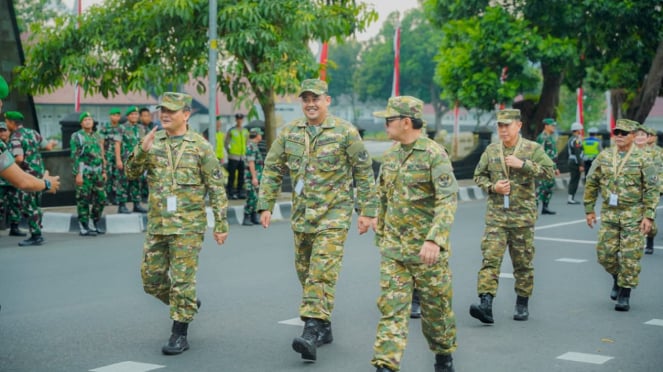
(47, 184)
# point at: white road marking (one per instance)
(293, 322)
(592, 242)
(570, 260)
(506, 275)
(128, 366)
(585, 358)
(656, 322)
(544, 227)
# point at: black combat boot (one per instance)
(622, 300)
(415, 310)
(614, 292)
(247, 220)
(255, 218)
(98, 228)
(35, 239)
(138, 208)
(84, 229)
(384, 369)
(649, 248)
(307, 343)
(521, 312)
(545, 209)
(324, 333)
(444, 363)
(484, 310)
(122, 209)
(15, 231)
(177, 342)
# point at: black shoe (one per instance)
(614, 292)
(199, 304)
(384, 369)
(247, 220)
(521, 312)
(33, 240)
(15, 231)
(177, 342)
(545, 210)
(649, 248)
(324, 334)
(98, 228)
(307, 343)
(415, 311)
(255, 218)
(623, 300)
(84, 229)
(484, 310)
(139, 209)
(122, 208)
(444, 363)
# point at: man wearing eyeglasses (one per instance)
(323, 154)
(508, 171)
(628, 184)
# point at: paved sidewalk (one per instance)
(64, 219)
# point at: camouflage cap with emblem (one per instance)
(315, 86)
(508, 116)
(402, 106)
(14, 115)
(175, 101)
(4, 88)
(3, 125)
(626, 125)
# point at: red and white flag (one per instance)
(395, 89)
(324, 50)
(580, 117)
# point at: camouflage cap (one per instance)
(256, 130)
(14, 115)
(402, 106)
(627, 125)
(175, 101)
(549, 121)
(114, 111)
(4, 88)
(83, 116)
(646, 129)
(315, 86)
(3, 125)
(508, 116)
(130, 110)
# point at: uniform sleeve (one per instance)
(6, 160)
(592, 184)
(650, 193)
(482, 175)
(446, 201)
(541, 167)
(75, 147)
(362, 170)
(213, 179)
(136, 164)
(272, 176)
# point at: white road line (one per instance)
(593, 242)
(656, 322)
(128, 366)
(544, 227)
(506, 275)
(294, 322)
(585, 358)
(570, 260)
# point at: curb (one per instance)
(54, 222)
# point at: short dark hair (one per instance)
(143, 109)
(416, 122)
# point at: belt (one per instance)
(90, 168)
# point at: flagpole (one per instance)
(456, 130)
(395, 89)
(77, 89)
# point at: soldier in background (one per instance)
(412, 231)
(547, 140)
(507, 172)
(146, 125)
(181, 170)
(89, 170)
(8, 194)
(591, 147)
(322, 153)
(111, 142)
(129, 189)
(235, 142)
(576, 165)
(253, 174)
(25, 145)
(627, 181)
(642, 141)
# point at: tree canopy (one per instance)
(37, 11)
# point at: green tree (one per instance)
(374, 77)
(152, 45)
(37, 11)
(594, 106)
(343, 62)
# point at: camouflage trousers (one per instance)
(168, 270)
(544, 190)
(520, 241)
(251, 198)
(318, 259)
(619, 250)
(30, 204)
(438, 322)
(128, 190)
(91, 194)
(10, 205)
(112, 180)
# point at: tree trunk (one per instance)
(642, 104)
(268, 103)
(548, 101)
(438, 105)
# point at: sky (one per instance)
(383, 7)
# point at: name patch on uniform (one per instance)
(171, 203)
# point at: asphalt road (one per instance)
(76, 304)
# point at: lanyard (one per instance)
(172, 165)
(502, 161)
(617, 167)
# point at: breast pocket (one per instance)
(188, 176)
(294, 155)
(417, 180)
(329, 157)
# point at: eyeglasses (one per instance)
(620, 133)
(387, 121)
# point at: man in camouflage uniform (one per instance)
(253, 173)
(641, 140)
(89, 175)
(547, 140)
(129, 189)
(181, 171)
(322, 153)
(9, 195)
(507, 172)
(627, 181)
(576, 164)
(25, 145)
(111, 141)
(417, 201)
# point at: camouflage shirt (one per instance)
(417, 194)
(197, 174)
(130, 138)
(6, 158)
(253, 154)
(86, 151)
(110, 134)
(27, 143)
(636, 186)
(547, 141)
(522, 211)
(336, 154)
